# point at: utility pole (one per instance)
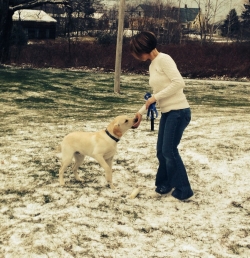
(118, 58)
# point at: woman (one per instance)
(167, 84)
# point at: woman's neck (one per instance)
(153, 54)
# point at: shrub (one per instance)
(105, 38)
(193, 59)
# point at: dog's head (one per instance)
(121, 124)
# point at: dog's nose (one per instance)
(134, 122)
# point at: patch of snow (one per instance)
(32, 15)
(39, 218)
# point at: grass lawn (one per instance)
(38, 218)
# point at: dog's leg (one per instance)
(78, 162)
(107, 169)
(108, 174)
(110, 162)
(65, 164)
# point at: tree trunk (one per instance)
(5, 30)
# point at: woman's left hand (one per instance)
(138, 116)
(150, 101)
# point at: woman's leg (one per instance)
(171, 172)
(162, 182)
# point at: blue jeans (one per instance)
(171, 172)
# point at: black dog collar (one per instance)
(111, 136)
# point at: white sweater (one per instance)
(167, 84)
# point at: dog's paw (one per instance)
(111, 186)
(62, 183)
(79, 179)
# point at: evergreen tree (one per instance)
(246, 21)
(231, 26)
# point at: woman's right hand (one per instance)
(138, 116)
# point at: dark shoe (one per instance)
(182, 195)
(163, 189)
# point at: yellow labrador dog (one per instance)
(99, 145)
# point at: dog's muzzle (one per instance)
(135, 121)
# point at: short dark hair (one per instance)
(143, 43)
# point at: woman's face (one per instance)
(143, 57)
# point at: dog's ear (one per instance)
(117, 131)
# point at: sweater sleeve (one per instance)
(169, 68)
(142, 110)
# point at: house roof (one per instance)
(184, 14)
(32, 15)
(188, 14)
(151, 10)
(145, 7)
(98, 16)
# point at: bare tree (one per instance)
(217, 7)
(209, 9)
(204, 17)
(7, 9)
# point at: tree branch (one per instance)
(35, 3)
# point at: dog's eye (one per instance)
(126, 120)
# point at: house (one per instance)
(217, 27)
(143, 10)
(189, 18)
(150, 11)
(101, 20)
(36, 23)
(145, 15)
